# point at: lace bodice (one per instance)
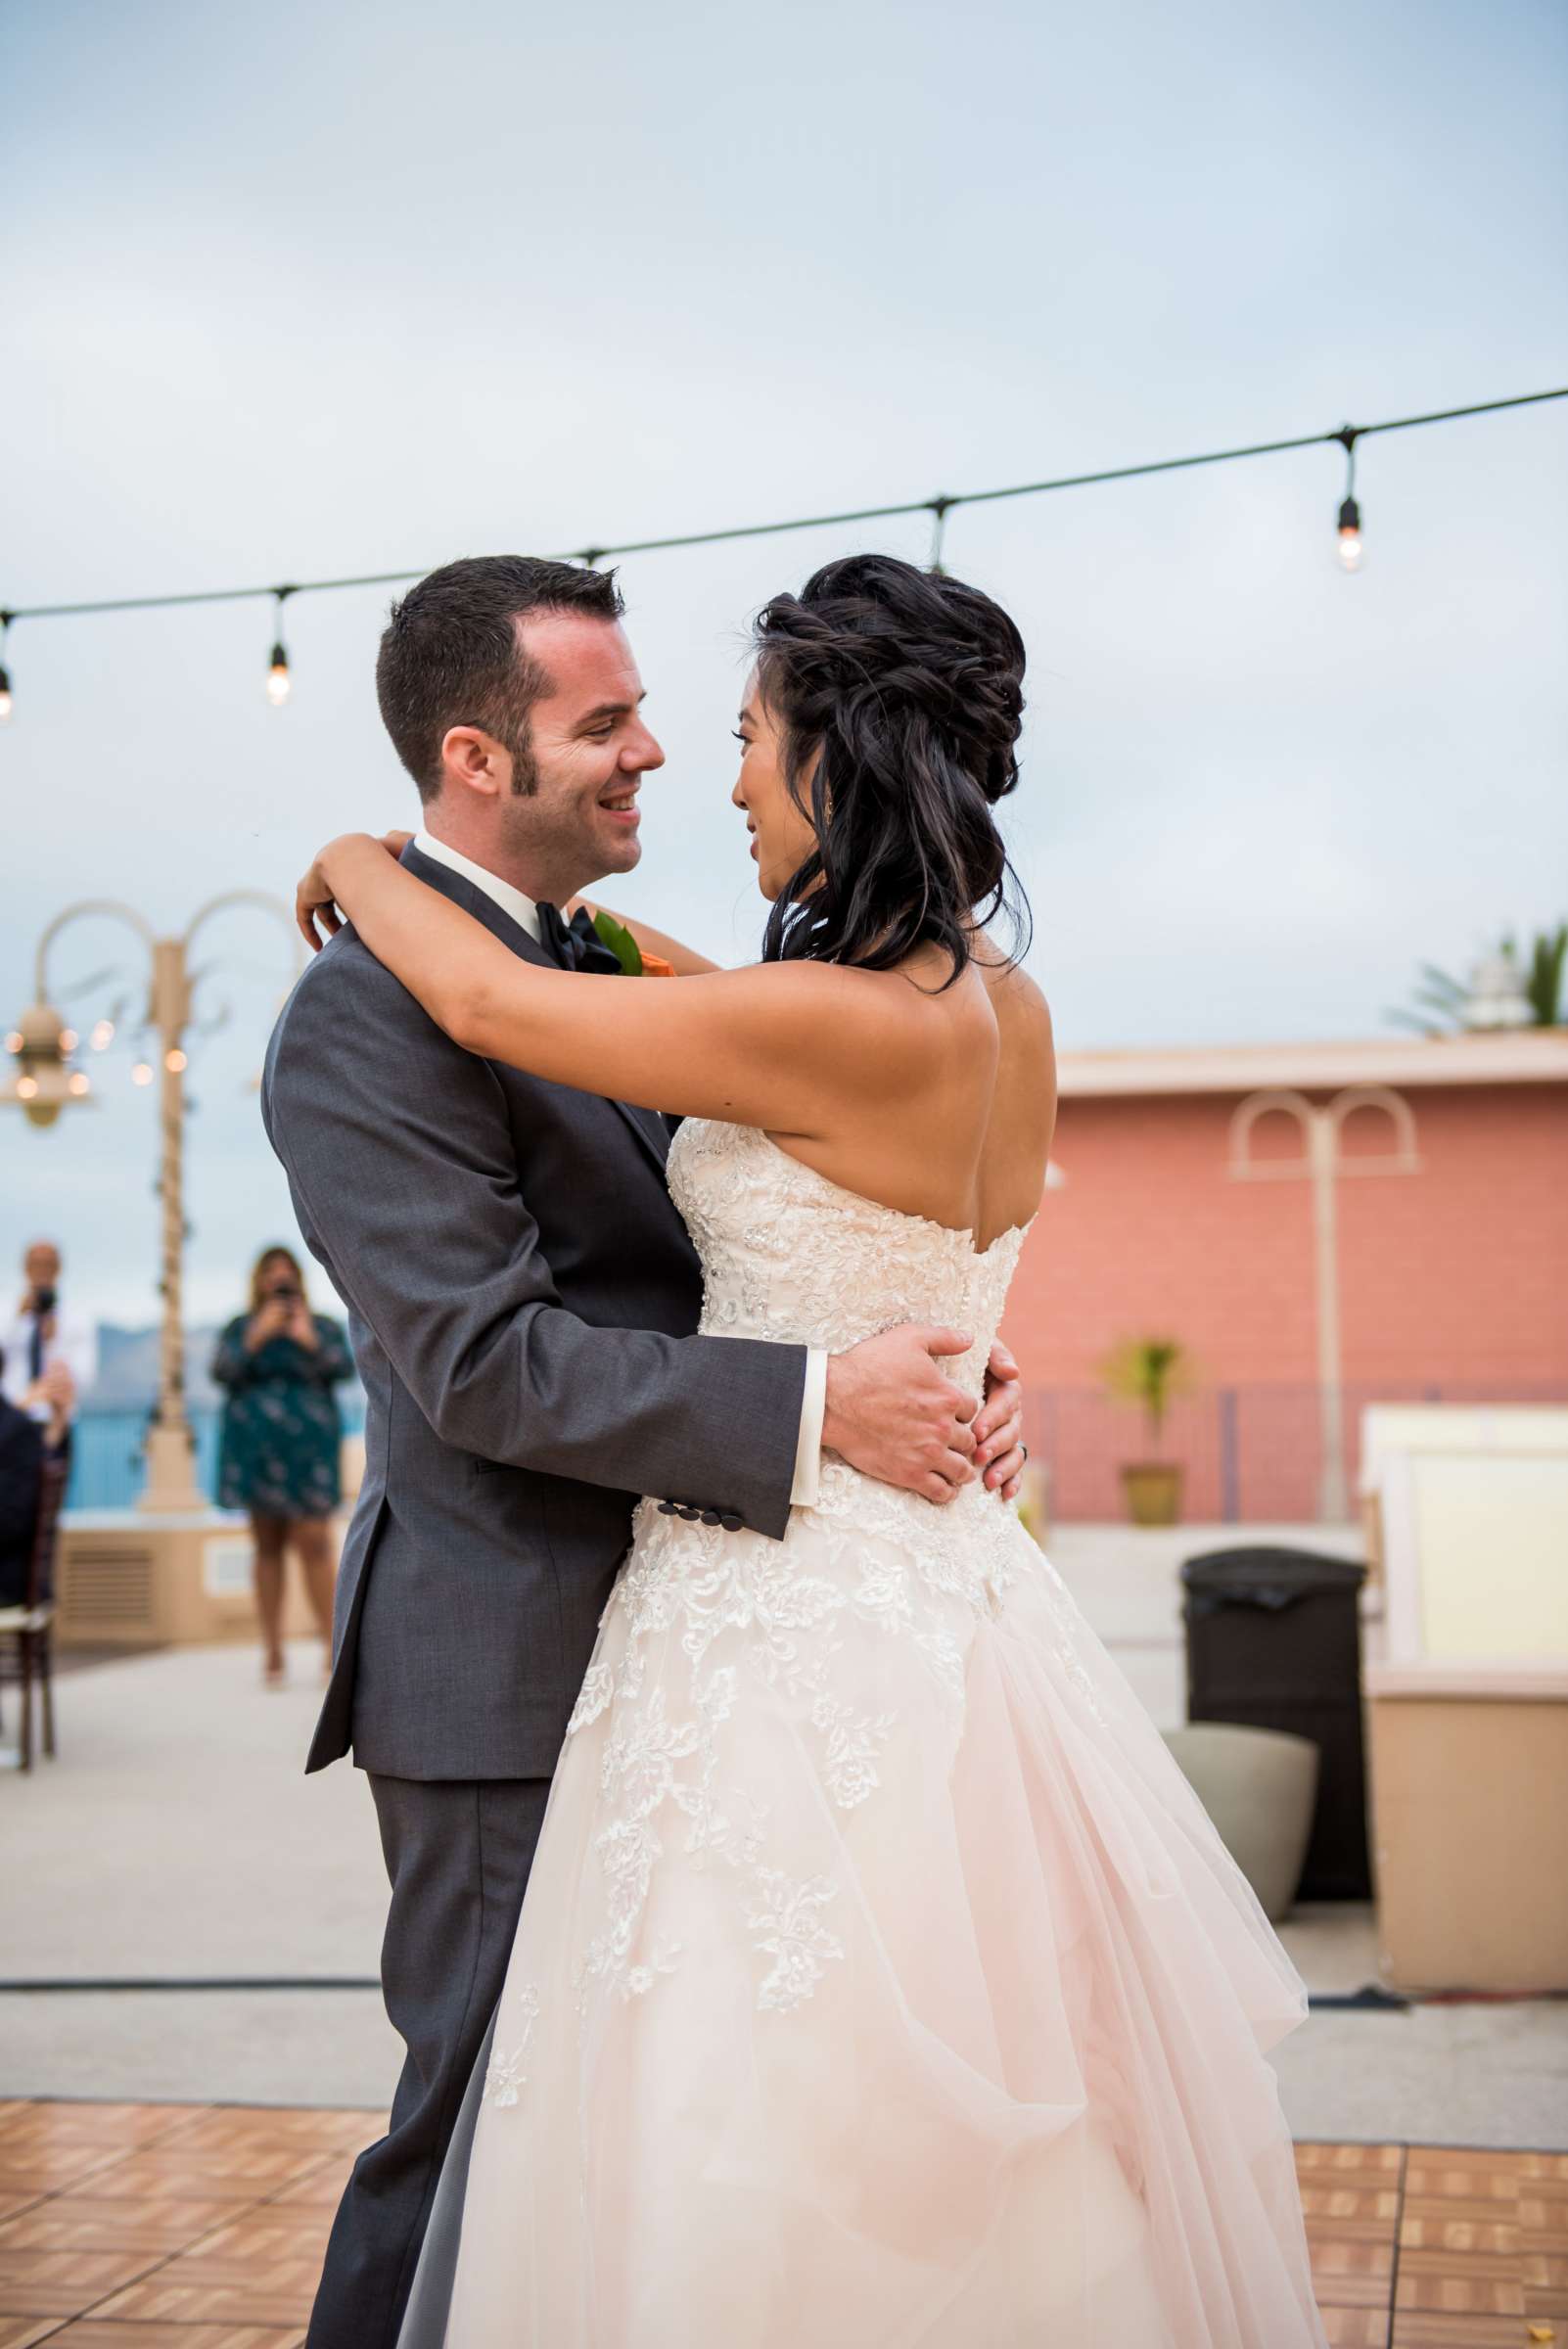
(789, 1255)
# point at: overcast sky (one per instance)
(315, 292)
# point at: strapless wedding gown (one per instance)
(881, 1982)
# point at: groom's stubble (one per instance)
(557, 810)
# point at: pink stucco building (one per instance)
(1437, 1232)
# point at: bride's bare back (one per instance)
(967, 1147)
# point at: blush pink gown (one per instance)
(881, 1982)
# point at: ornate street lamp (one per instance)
(41, 1045)
(44, 1082)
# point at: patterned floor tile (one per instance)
(242, 2176)
(231, 2127)
(1456, 2174)
(319, 2189)
(1352, 2275)
(189, 2227)
(158, 2301)
(1473, 2283)
(79, 2222)
(61, 2284)
(105, 2125)
(1355, 2327)
(1454, 2227)
(94, 2334)
(1431, 2331)
(1320, 2153)
(1350, 2205)
(51, 2173)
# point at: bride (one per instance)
(880, 1980)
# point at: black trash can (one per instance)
(1273, 1642)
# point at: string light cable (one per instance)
(279, 680)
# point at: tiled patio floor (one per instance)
(192, 2227)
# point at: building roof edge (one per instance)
(1516, 1056)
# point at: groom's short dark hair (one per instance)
(450, 657)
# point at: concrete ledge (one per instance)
(133, 1580)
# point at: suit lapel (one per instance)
(646, 1124)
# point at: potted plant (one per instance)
(1148, 1372)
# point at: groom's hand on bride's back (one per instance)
(894, 1413)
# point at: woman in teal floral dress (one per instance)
(279, 1364)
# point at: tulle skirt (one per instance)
(880, 1982)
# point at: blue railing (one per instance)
(1249, 1454)
(107, 1453)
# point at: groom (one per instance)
(524, 1298)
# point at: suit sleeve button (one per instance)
(667, 1508)
(712, 1517)
(690, 1514)
(730, 1522)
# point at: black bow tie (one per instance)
(575, 945)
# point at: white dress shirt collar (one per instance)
(521, 909)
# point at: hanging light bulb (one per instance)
(79, 1084)
(278, 678)
(141, 1073)
(5, 674)
(175, 1062)
(1349, 535)
(1350, 551)
(103, 1034)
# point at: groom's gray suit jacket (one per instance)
(522, 1298)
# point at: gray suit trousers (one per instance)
(458, 1853)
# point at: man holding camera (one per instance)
(50, 1353)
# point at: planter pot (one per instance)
(1153, 1490)
(1259, 1788)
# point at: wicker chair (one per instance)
(26, 1632)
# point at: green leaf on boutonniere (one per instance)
(620, 942)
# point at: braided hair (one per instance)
(899, 694)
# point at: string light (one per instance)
(141, 1073)
(103, 1036)
(79, 1084)
(278, 678)
(175, 1062)
(5, 674)
(1349, 513)
(69, 1039)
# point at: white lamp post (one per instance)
(45, 1084)
(1323, 1161)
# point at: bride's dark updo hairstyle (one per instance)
(905, 688)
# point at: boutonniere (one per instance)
(626, 951)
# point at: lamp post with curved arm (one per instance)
(42, 1046)
(1322, 1163)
